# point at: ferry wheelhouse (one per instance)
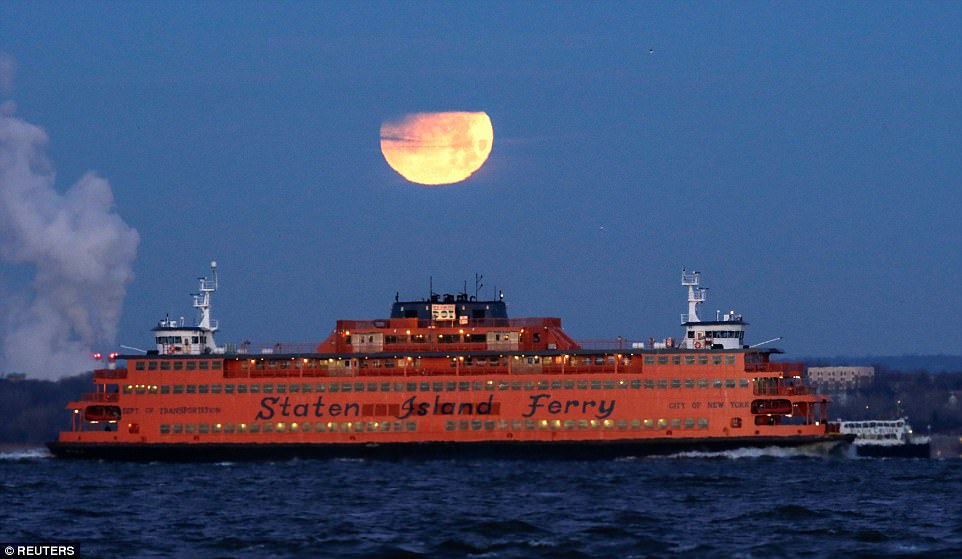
(446, 375)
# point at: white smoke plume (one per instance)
(80, 250)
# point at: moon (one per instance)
(437, 148)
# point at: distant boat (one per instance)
(881, 438)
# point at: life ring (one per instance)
(697, 345)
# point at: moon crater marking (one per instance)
(437, 148)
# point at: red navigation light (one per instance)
(113, 355)
(98, 356)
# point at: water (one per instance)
(768, 503)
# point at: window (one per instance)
(139, 365)
(165, 389)
(192, 389)
(178, 389)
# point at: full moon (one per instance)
(437, 148)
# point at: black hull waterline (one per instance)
(894, 451)
(576, 450)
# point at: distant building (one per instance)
(841, 378)
(13, 377)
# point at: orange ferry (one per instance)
(449, 375)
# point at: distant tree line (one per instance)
(34, 411)
(931, 401)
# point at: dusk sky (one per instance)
(805, 157)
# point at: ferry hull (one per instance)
(571, 450)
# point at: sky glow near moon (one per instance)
(437, 148)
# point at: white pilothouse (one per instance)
(174, 337)
(725, 332)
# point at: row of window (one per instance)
(415, 362)
(468, 361)
(294, 427)
(178, 365)
(690, 359)
(411, 426)
(579, 424)
(463, 386)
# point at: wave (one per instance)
(19, 454)
(806, 451)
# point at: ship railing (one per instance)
(796, 369)
(619, 343)
(434, 346)
(536, 322)
(791, 390)
(249, 348)
(100, 397)
(110, 374)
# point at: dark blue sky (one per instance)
(806, 157)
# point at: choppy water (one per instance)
(736, 504)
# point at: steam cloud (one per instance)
(82, 253)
